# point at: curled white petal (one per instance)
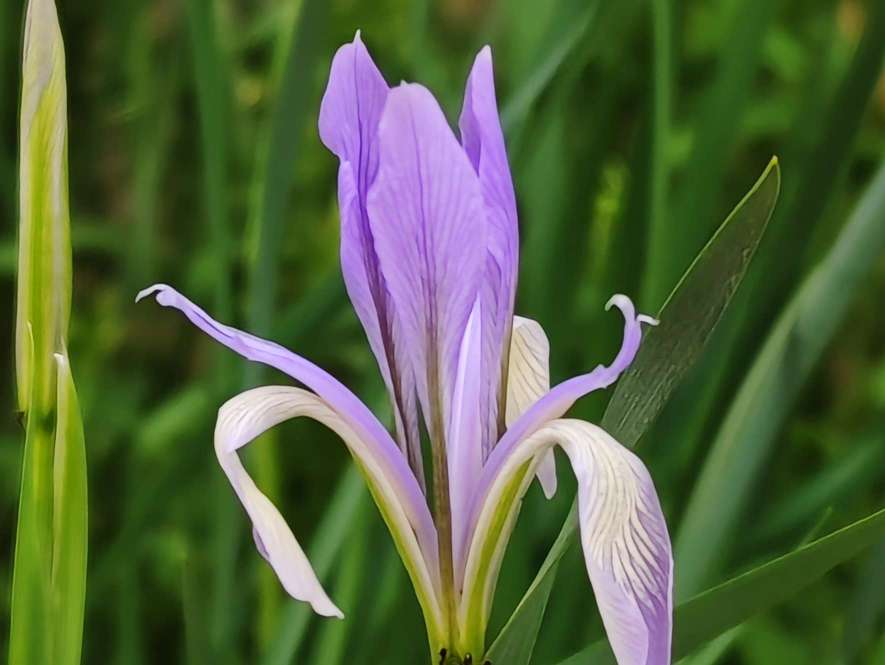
(623, 535)
(528, 379)
(246, 416)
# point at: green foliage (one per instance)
(633, 128)
(668, 351)
(49, 568)
(715, 611)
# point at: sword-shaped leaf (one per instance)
(715, 611)
(686, 321)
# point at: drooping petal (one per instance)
(464, 435)
(623, 534)
(427, 217)
(349, 408)
(349, 116)
(483, 141)
(246, 416)
(528, 379)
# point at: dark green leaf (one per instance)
(687, 319)
(717, 610)
(769, 390)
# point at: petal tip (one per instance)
(649, 320)
(623, 303)
(151, 290)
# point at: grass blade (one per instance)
(722, 106)
(719, 609)
(691, 313)
(48, 586)
(766, 395)
(668, 351)
(518, 105)
(516, 641)
(662, 102)
(30, 609)
(213, 96)
(69, 523)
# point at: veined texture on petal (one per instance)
(251, 413)
(528, 379)
(427, 217)
(349, 116)
(623, 534)
(483, 141)
(562, 396)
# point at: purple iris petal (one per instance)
(349, 116)
(464, 434)
(561, 397)
(348, 406)
(426, 214)
(483, 142)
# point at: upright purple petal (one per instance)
(427, 217)
(483, 142)
(464, 435)
(349, 408)
(349, 116)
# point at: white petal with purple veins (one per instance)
(528, 379)
(623, 535)
(246, 416)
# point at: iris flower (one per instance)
(429, 246)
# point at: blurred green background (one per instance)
(633, 128)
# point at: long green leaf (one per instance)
(69, 523)
(721, 109)
(715, 611)
(691, 313)
(30, 610)
(46, 613)
(516, 640)
(517, 107)
(668, 351)
(769, 390)
(659, 230)
(213, 94)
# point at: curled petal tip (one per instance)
(623, 303)
(151, 290)
(650, 320)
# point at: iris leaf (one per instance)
(668, 350)
(690, 314)
(69, 523)
(767, 393)
(715, 611)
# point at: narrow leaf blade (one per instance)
(69, 522)
(719, 609)
(669, 350)
(690, 314)
(767, 393)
